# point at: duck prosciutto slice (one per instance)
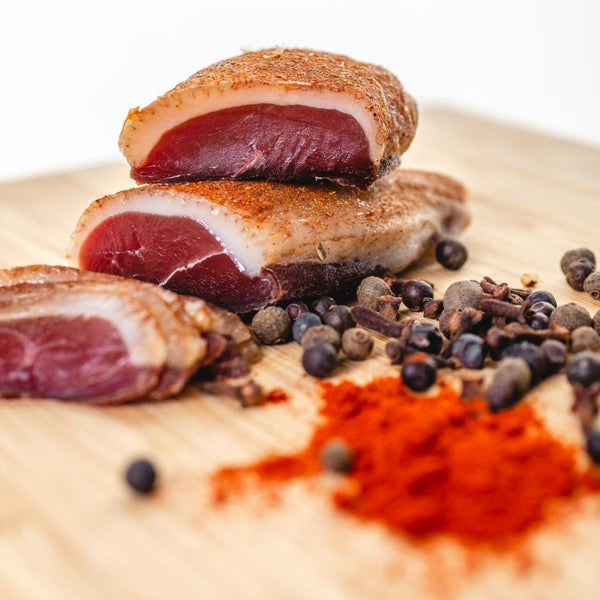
(282, 114)
(244, 245)
(78, 344)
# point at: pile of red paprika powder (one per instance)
(426, 466)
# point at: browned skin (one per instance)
(394, 110)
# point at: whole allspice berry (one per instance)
(462, 294)
(571, 316)
(573, 255)
(370, 289)
(591, 285)
(596, 321)
(321, 334)
(585, 338)
(272, 325)
(357, 344)
(511, 380)
(578, 271)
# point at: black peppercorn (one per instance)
(583, 369)
(573, 255)
(339, 318)
(532, 355)
(418, 374)
(321, 305)
(319, 360)
(541, 296)
(272, 325)
(592, 445)
(304, 322)
(469, 350)
(357, 344)
(337, 456)
(414, 292)
(141, 476)
(451, 254)
(571, 316)
(295, 309)
(578, 272)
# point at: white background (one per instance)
(71, 70)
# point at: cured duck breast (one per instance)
(244, 245)
(186, 326)
(79, 344)
(282, 114)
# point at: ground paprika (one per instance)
(433, 465)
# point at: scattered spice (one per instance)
(321, 334)
(542, 296)
(462, 294)
(570, 316)
(418, 372)
(319, 360)
(140, 475)
(370, 289)
(389, 307)
(303, 323)
(337, 456)
(583, 369)
(578, 271)
(468, 350)
(321, 305)
(529, 279)
(295, 309)
(592, 285)
(596, 321)
(427, 466)
(276, 396)
(555, 353)
(451, 254)
(339, 318)
(584, 338)
(593, 445)
(511, 380)
(573, 255)
(432, 309)
(272, 325)
(371, 319)
(357, 344)
(414, 293)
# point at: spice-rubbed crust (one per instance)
(370, 93)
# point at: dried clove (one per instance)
(501, 308)
(371, 319)
(388, 306)
(432, 309)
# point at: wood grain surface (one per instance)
(70, 529)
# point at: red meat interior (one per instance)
(64, 357)
(177, 252)
(292, 142)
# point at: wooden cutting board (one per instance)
(69, 528)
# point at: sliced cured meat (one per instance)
(283, 114)
(79, 344)
(246, 245)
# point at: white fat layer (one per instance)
(229, 229)
(140, 136)
(144, 341)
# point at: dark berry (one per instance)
(319, 360)
(425, 337)
(339, 318)
(573, 255)
(539, 321)
(451, 254)
(555, 353)
(295, 309)
(141, 476)
(414, 292)
(510, 381)
(337, 456)
(321, 305)
(419, 374)
(583, 369)
(578, 272)
(469, 350)
(541, 296)
(532, 355)
(302, 323)
(541, 306)
(593, 445)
